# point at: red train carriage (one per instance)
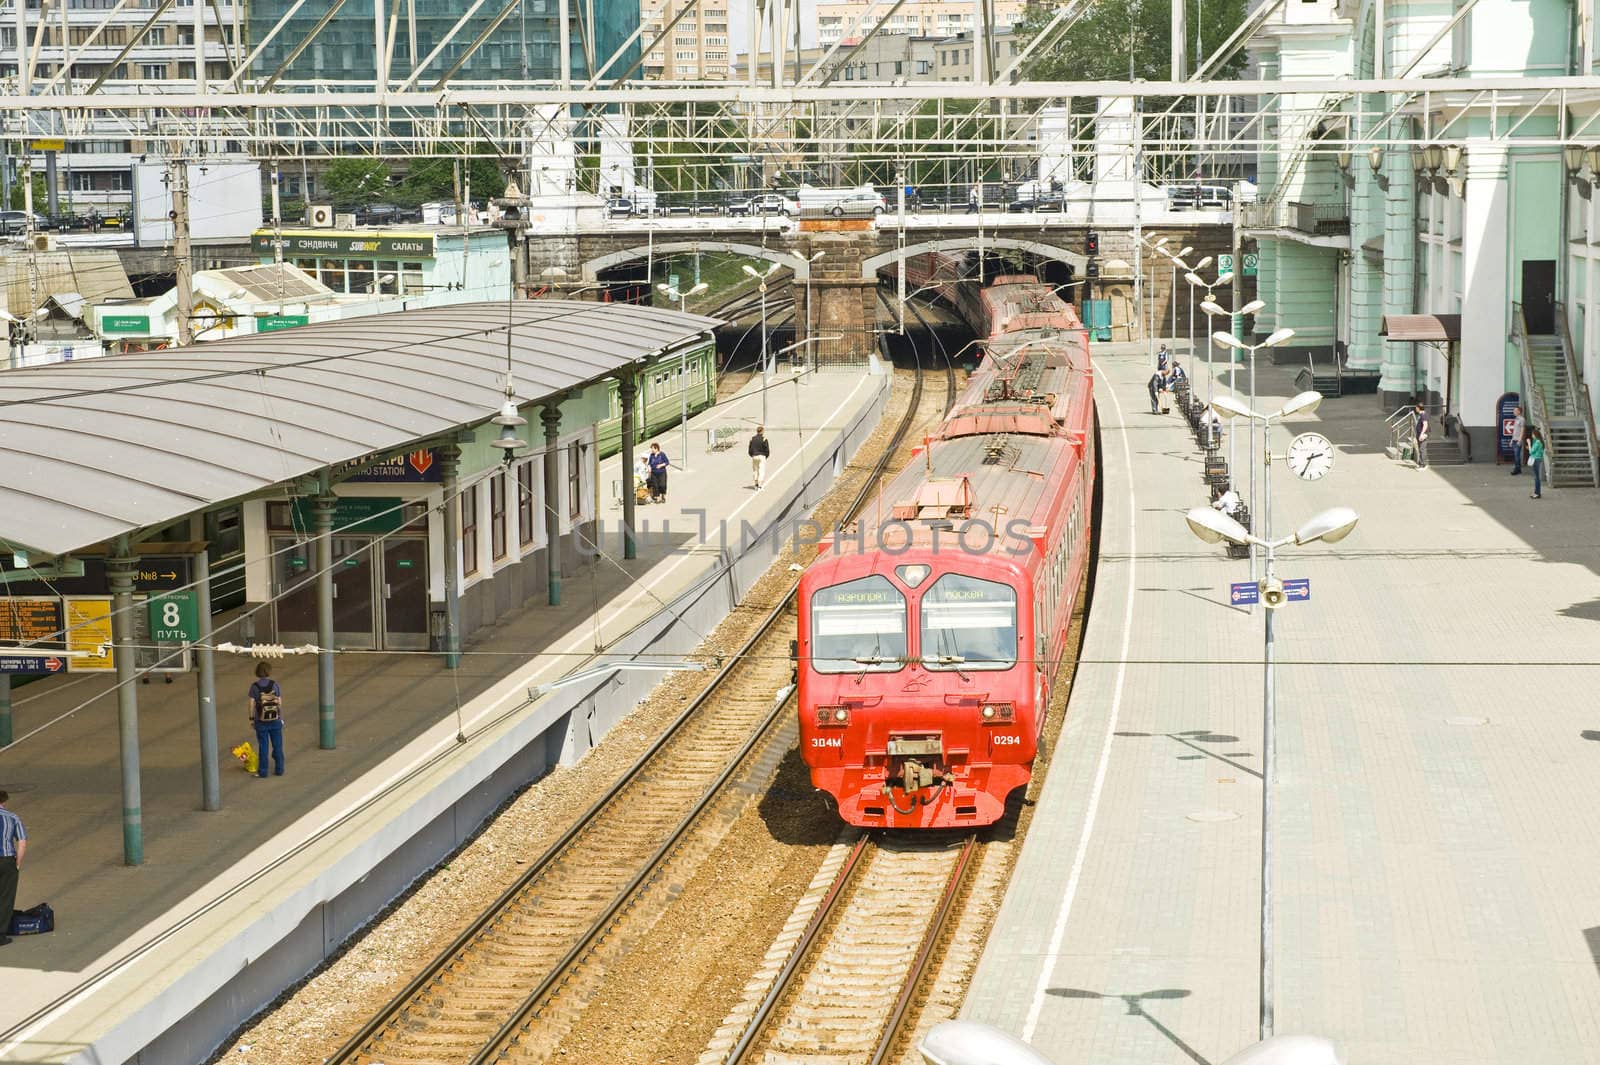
(930, 632)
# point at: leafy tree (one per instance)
(1119, 40)
(353, 181)
(40, 193)
(434, 177)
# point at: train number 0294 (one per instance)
(1007, 741)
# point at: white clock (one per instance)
(1310, 456)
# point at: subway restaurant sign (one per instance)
(334, 243)
(125, 324)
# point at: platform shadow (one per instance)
(1135, 1004)
(1192, 738)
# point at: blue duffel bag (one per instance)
(33, 922)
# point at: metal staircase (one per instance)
(1557, 402)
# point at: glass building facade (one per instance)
(522, 48)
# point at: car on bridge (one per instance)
(768, 203)
(1191, 197)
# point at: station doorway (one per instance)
(380, 577)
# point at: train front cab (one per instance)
(918, 685)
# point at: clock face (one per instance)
(1310, 456)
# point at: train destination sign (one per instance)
(30, 621)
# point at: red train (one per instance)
(931, 630)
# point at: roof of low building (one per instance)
(95, 449)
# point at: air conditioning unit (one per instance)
(344, 221)
(44, 242)
(320, 216)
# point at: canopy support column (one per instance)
(120, 569)
(5, 709)
(449, 468)
(627, 392)
(551, 416)
(322, 509)
(210, 781)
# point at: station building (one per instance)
(1483, 228)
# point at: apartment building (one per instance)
(76, 46)
(837, 19)
(698, 48)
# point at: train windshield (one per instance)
(858, 626)
(969, 623)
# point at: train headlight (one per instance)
(913, 575)
(833, 715)
(997, 713)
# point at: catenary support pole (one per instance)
(1268, 749)
(206, 680)
(627, 392)
(551, 416)
(183, 263)
(449, 468)
(120, 568)
(322, 510)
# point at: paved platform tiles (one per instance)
(1438, 770)
(395, 712)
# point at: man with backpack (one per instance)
(266, 714)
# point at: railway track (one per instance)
(847, 992)
(504, 988)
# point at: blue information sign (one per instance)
(1297, 590)
(32, 664)
(1506, 407)
(1244, 593)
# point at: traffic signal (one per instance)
(1091, 269)
(1091, 245)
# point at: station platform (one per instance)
(160, 962)
(1437, 768)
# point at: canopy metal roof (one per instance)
(93, 449)
(1412, 327)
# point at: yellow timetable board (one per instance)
(88, 630)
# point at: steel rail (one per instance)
(357, 1043)
(801, 951)
(920, 964)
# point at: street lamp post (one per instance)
(810, 317)
(765, 367)
(1194, 271)
(683, 367)
(1228, 340)
(1212, 309)
(1211, 526)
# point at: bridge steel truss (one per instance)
(689, 126)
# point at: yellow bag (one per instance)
(247, 757)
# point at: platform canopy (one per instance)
(100, 447)
(1400, 328)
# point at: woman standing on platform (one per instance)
(1536, 460)
(658, 474)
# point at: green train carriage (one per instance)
(658, 406)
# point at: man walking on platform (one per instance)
(760, 451)
(1519, 430)
(13, 845)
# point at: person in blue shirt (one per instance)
(13, 845)
(266, 714)
(658, 473)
